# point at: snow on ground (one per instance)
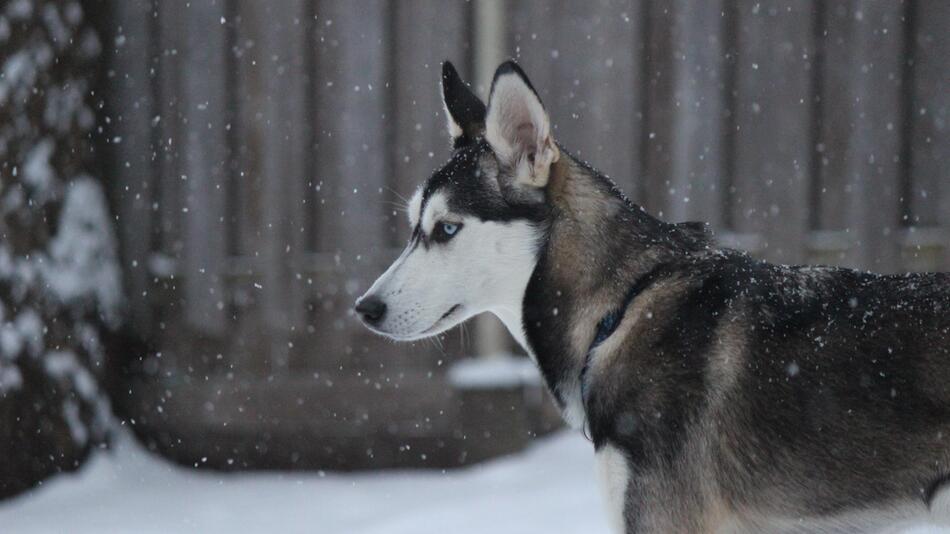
(550, 488)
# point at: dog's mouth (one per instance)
(435, 326)
(429, 331)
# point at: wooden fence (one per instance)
(261, 150)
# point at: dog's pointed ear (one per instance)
(465, 111)
(518, 128)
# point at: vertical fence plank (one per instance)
(167, 180)
(930, 70)
(860, 142)
(284, 150)
(835, 108)
(165, 263)
(131, 106)
(685, 111)
(426, 33)
(930, 121)
(584, 59)
(701, 124)
(351, 161)
(204, 154)
(532, 41)
(248, 22)
(773, 137)
(873, 158)
(352, 118)
(489, 32)
(245, 209)
(659, 107)
(597, 104)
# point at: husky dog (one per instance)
(721, 393)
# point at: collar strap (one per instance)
(608, 324)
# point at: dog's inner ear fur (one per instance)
(518, 128)
(465, 111)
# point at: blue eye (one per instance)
(444, 231)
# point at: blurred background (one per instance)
(193, 193)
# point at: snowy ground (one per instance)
(548, 489)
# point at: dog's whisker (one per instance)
(400, 197)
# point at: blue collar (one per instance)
(608, 324)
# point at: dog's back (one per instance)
(846, 382)
(784, 392)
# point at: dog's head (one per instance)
(477, 221)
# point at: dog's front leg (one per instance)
(623, 492)
(613, 473)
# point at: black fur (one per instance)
(466, 109)
(471, 195)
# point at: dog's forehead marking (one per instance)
(436, 208)
(415, 207)
(458, 183)
(423, 195)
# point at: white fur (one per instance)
(415, 205)
(940, 508)
(455, 131)
(486, 267)
(437, 209)
(613, 475)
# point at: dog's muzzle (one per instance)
(371, 309)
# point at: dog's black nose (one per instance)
(371, 308)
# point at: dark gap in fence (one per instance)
(468, 60)
(311, 219)
(154, 51)
(819, 37)
(641, 186)
(232, 176)
(906, 187)
(730, 75)
(167, 195)
(391, 197)
(308, 224)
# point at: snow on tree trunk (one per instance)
(59, 276)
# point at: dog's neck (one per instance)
(594, 229)
(596, 245)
